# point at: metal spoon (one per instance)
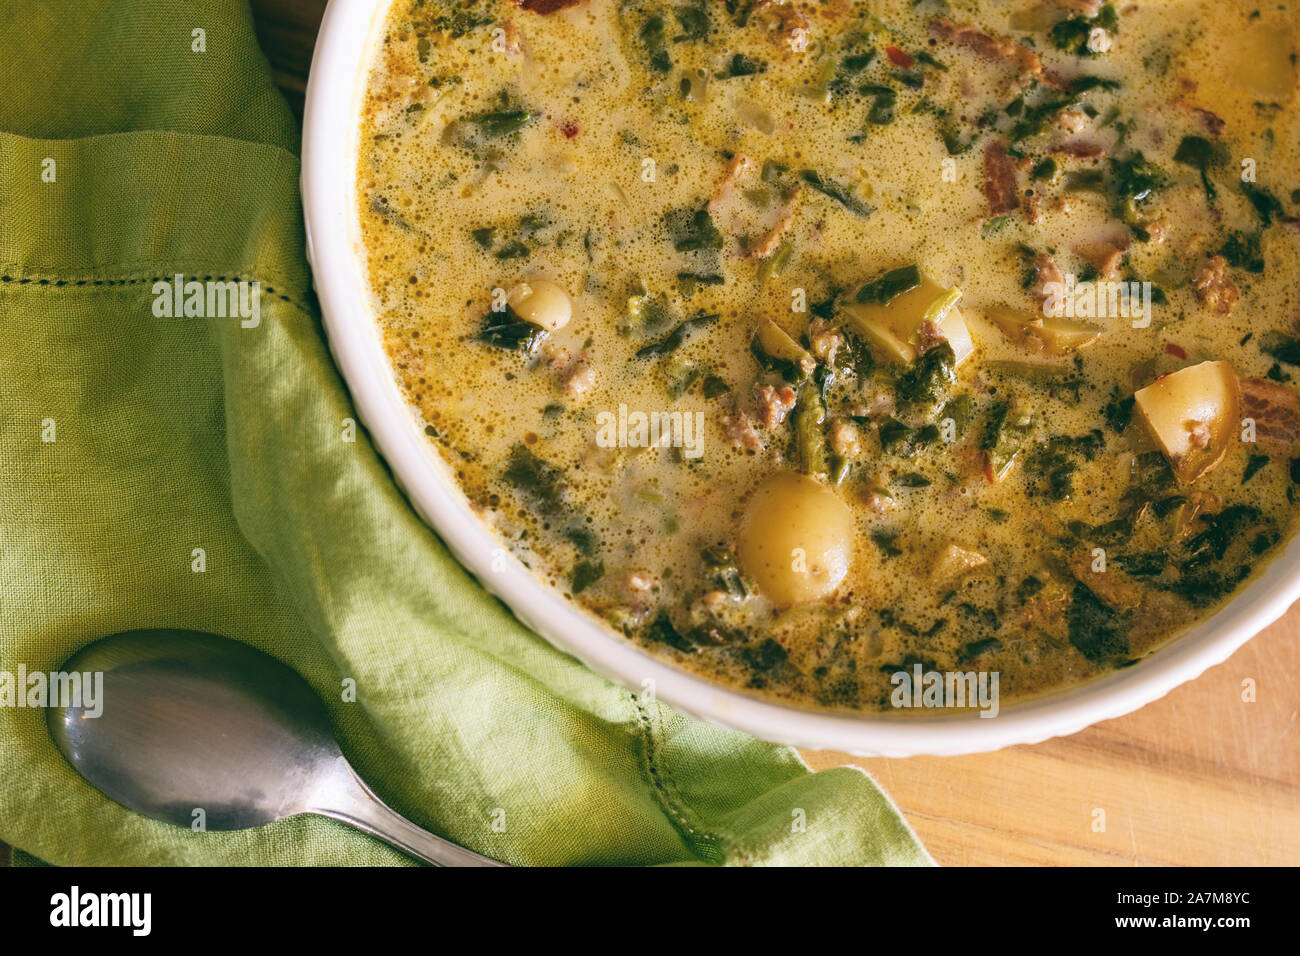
(195, 722)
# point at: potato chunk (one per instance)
(894, 329)
(1052, 334)
(1259, 65)
(1192, 416)
(796, 540)
(541, 302)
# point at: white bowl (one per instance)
(335, 92)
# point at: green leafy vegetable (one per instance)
(740, 65)
(974, 649)
(694, 19)
(809, 422)
(1253, 465)
(1135, 179)
(1242, 250)
(1266, 204)
(661, 631)
(536, 479)
(500, 123)
(889, 286)
(841, 194)
(692, 229)
(1073, 34)
(1004, 437)
(930, 376)
(677, 337)
(654, 39)
(726, 574)
(960, 411)
(1096, 631)
(883, 102)
(1199, 153)
(505, 330)
(585, 574)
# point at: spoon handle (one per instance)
(357, 806)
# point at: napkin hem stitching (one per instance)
(50, 280)
(661, 782)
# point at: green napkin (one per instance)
(128, 440)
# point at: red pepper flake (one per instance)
(569, 129)
(545, 6)
(1176, 350)
(899, 58)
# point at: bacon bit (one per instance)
(1214, 289)
(555, 356)
(511, 38)
(545, 6)
(580, 379)
(1275, 410)
(774, 404)
(899, 58)
(1072, 120)
(569, 129)
(1177, 351)
(785, 218)
(727, 184)
(845, 439)
(575, 374)
(1213, 123)
(999, 179)
(824, 340)
(876, 501)
(740, 431)
(790, 26)
(1154, 228)
(1105, 256)
(928, 337)
(1079, 149)
(1046, 273)
(1000, 49)
(1034, 208)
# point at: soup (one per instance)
(810, 344)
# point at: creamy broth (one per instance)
(968, 330)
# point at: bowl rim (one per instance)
(335, 91)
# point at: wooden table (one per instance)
(1200, 777)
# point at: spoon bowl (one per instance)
(192, 727)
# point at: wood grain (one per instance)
(1201, 777)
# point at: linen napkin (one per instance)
(160, 470)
